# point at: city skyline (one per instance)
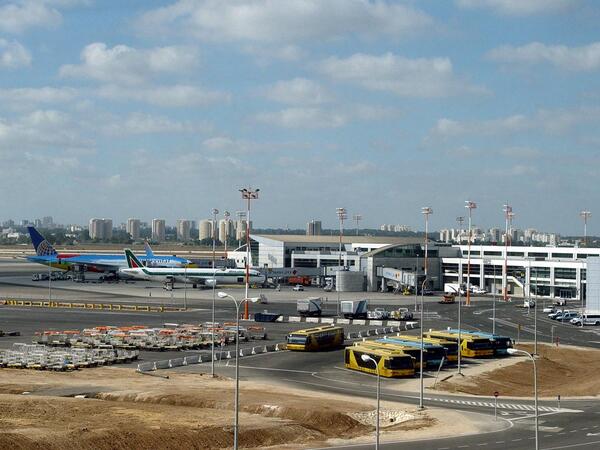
(140, 109)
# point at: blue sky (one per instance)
(166, 108)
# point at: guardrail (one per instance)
(199, 359)
(96, 306)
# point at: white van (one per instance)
(588, 319)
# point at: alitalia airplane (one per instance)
(194, 276)
(47, 255)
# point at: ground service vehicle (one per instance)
(470, 346)
(412, 351)
(303, 280)
(401, 314)
(298, 287)
(447, 299)
(501, 344)
(311, 306)
(450, 347)
(454, 288)
(477, 290)
(354, 309)
(435, 351)
(378, 314)
(390, 363)
(316, 339)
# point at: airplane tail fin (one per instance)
(149, 252)
(132, 261)
(40, 244)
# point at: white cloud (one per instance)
(298, 91)
(265, 54)
(41, 129)
(16, 17)
(422, 77)
(167, 96)
(31, 96)
(283, 21)
(13, 55)
(570, 58)
(139, 123)
(519, 7)
(555, 121)
(123, 64)
(303, 118)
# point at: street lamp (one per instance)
(342, 215)
(237, 361)
(514, 351)
(470, 205)
(214, 267)
(248, 194)
(357, 218)
(426, 211)
(585, 215)
(367, 358)
(507, 214)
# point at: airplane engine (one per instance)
(210, 283)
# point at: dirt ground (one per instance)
(567, 371)
(124, 410)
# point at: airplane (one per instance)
(47, 255)
(194, 276)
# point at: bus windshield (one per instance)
(479, 344)
(503, 342)
(297, 339)
(400, 362)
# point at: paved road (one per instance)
(323, 371)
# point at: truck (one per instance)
(454, 288)
(354, 309)
(303, 280)
(311, 306)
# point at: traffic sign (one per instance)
(496, 394)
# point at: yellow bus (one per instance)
(410, 351)
(450, 346)
(390, 363)
(315, 339)
(470, 346)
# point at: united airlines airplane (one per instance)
(47, 255)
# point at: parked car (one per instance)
(576, 321)
(567, 316)
(554, 314)
(298, 287)
(549, 309)
(478, 290)
(529, 304)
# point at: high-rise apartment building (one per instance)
(205, 229)
(158, 230)
(133, 228)
(314, 228)
(101, 229)
(184, 228)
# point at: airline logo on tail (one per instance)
(40, 244)
(132, 261)
(149, 252)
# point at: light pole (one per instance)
(459, 331)
(357, 218)
(185, 287)
(248, 194)
(342, 215)
(507, 211)
(470, 205)
(494, 303)
(514, 351)
(585, 215)
(214, 281)
(426, 211)
(459, 221)
(367, 358)
(237, 360)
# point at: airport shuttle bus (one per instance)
(450, 346)
(390, 363)
(411, 351)
(470, 346)
(436, 353)
(501, 344)
(316, 339)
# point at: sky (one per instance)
(150, 108)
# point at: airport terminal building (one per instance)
(398, 262)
